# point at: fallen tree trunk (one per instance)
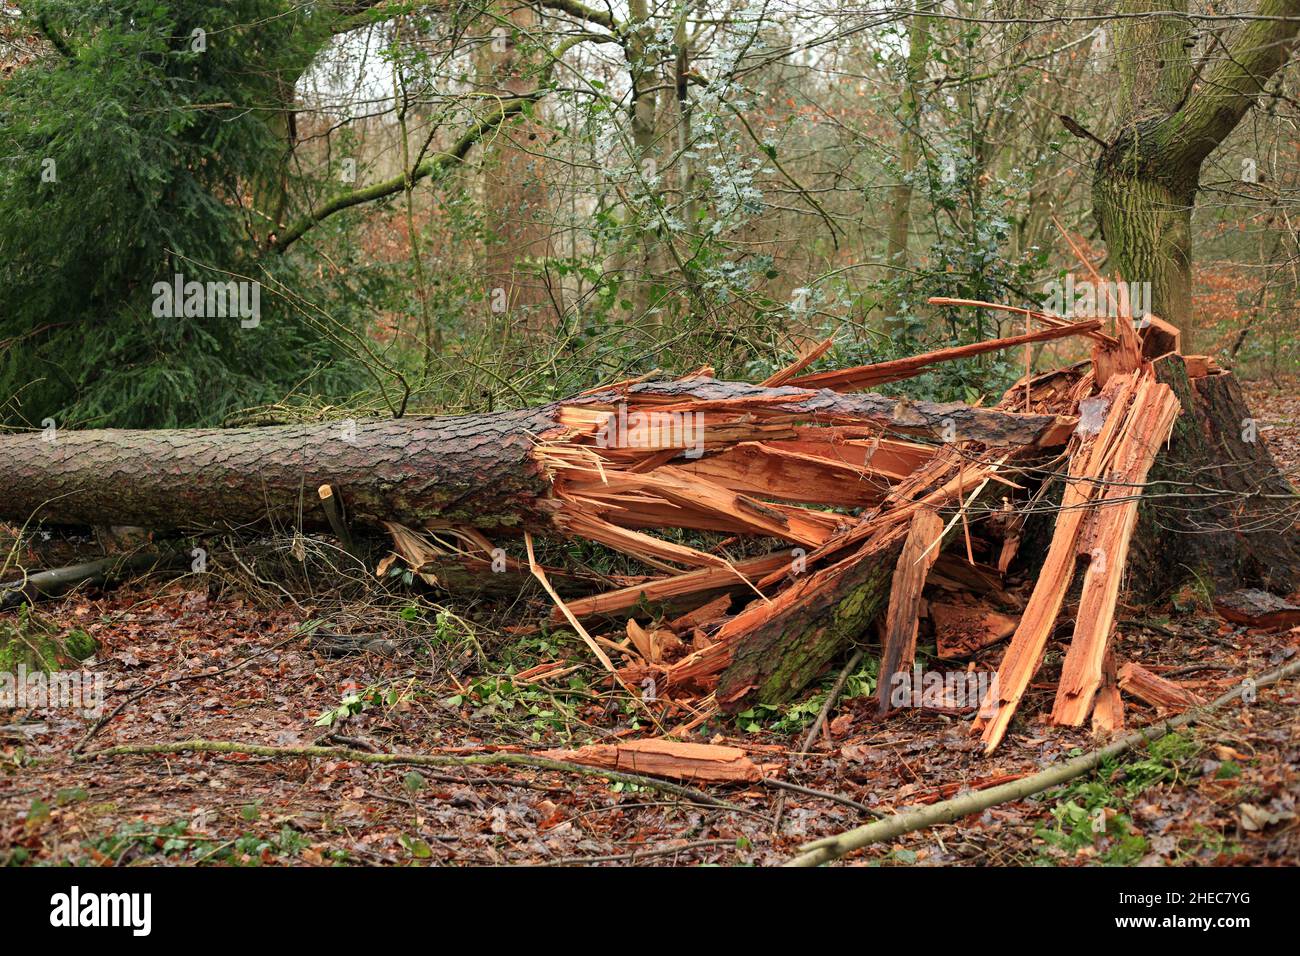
(478, 470)
(607, 466)
(831, 486)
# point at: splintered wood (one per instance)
(1120, 433)
(1106, 542)
(1161, 693)
(832, 510)
(898, 646)
(691, 763)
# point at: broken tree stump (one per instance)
(1217, 492)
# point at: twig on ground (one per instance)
(641, 854)
(98, 725)
(832, 848)
(832, 696)
(415, 760)
(823, 794)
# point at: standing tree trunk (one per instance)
(515, 199)
(1145, 183)
(900, 200)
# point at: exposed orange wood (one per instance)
(1056, 321)
(699, 763)
(634, 542)
(899, 643)
(807, 358)
(869, 376)
(1108, 713)
(1036, 624)
(1160, 337)
(707, 613)
(701, 668)
(1121, 356)
(800, 525)
(883, 456)
(577, 626)
(771, 471)
(1150, 421)
(675, 586)
(1163, 694)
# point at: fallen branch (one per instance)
(415, 760)
(636, 855)
(60, 580)
(832, 848)
(823, 794)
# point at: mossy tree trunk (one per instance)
(1145, 183)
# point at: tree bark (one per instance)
(476, 469)
(1217, 492)
(515, 197)
(1146, 179)
(900, 212)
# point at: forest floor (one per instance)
(1223, 793)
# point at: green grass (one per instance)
(1095, 815)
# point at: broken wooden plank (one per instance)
(1110, 529)
(675, 760)
(898, 648)
(1161, 693)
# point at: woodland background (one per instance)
(463, 206)
(471, 206)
